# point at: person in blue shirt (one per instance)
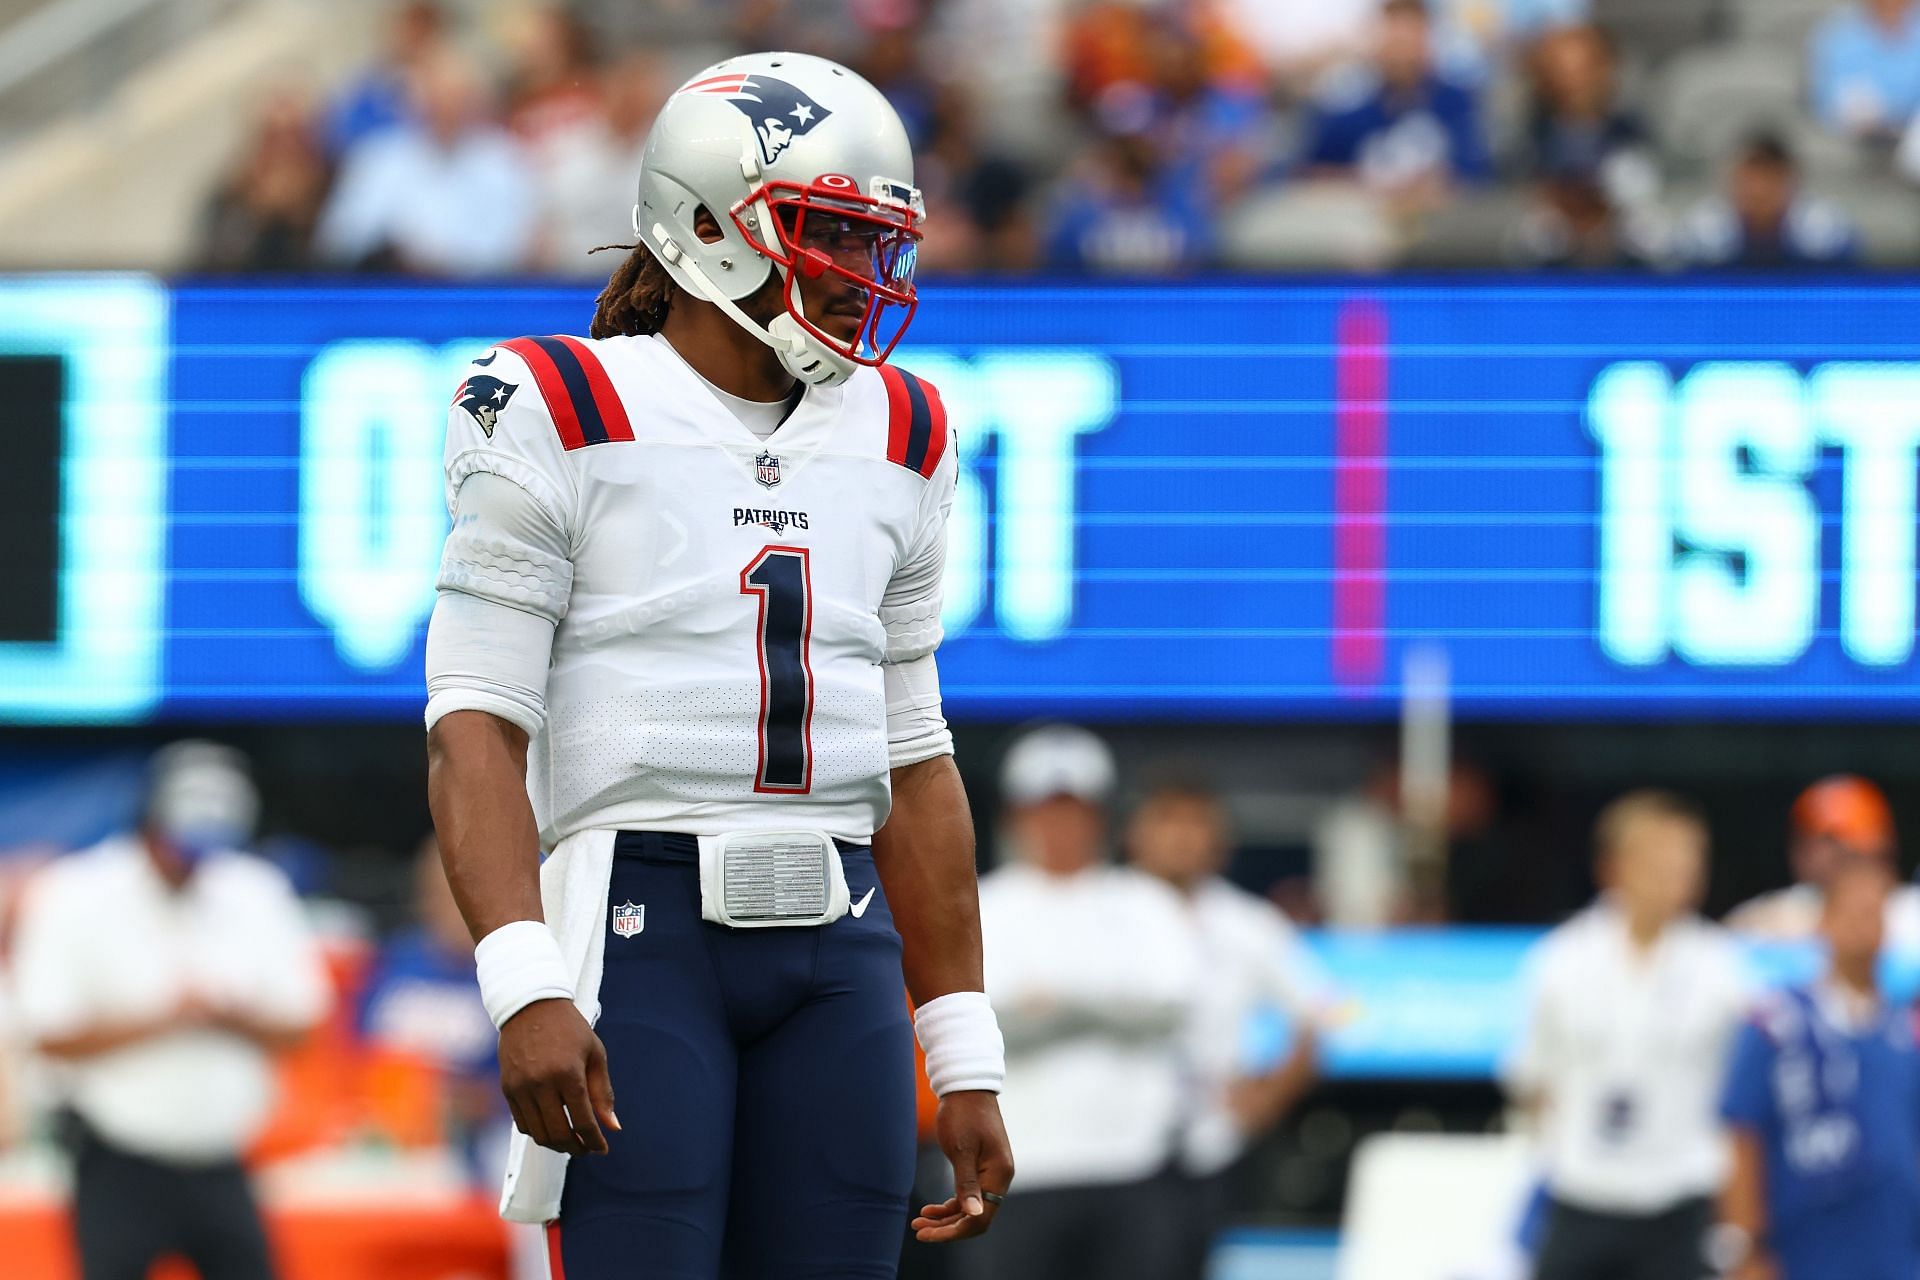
(1823, 1104)
(447, 195)
(1214, 127)
(1125, 211)
(1399, 125)
(377, 98)
(1865, 68)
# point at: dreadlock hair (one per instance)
(637, 295)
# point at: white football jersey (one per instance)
(718, 666)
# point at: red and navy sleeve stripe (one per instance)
(579, 395)
(916, 421)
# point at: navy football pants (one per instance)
(765, 1079)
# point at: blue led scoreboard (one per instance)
(1219, 502)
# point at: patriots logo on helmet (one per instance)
(484, 397)
(779, 111)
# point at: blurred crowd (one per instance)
(1141, 137)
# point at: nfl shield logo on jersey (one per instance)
(629, 919)
(766, 469)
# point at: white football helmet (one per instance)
(806, 169)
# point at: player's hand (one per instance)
(553, 1070)
(975, 1141)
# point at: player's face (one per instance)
(849, 262)
(836, 303)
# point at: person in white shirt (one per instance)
(1635, 1003)
(159, 972)
(1093, 970)
(449, 194)
(1254, 961)
(1837, 818)
(587, 169)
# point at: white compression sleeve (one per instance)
(505, 579)
(910, 606)
(916, 725)
(505, 547)
(484, 656)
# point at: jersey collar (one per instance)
(808, 425)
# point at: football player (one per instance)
(684, 642)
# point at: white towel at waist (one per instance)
(573, 896)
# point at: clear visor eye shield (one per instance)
(856, 250)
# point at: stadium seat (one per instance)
(1709, 99)
(1475, 230)
(1825, 156)
(1887, 213)
(1658, 29)
(1786, 23)
(1308, 227)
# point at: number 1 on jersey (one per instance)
(781, 579)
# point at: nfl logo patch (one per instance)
(766, 469)
(629, 919)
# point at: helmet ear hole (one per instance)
(706, 226)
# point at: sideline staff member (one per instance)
(1625, 1049)
(1093, 970)
(1824, 1102)
(160, 970)
(1253, 959)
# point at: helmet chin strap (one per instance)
(803, 355)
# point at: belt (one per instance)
(678, 846)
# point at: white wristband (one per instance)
(519, 963)
(962, 1041)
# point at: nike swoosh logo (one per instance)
(859, 908)
(489, 359)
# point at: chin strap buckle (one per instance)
(669, 248)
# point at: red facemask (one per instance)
(863, 246)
